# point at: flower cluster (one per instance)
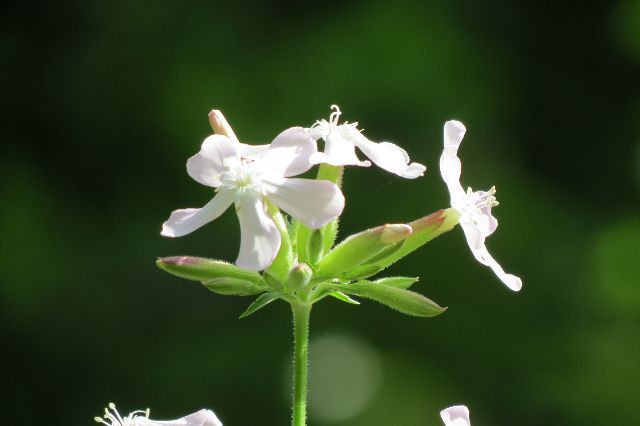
(288, 229)
(258, 180)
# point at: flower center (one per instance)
(478, 206)
(241, 176)
(113, 418)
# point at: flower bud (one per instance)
(220, 125)
(358, 248)
(201, 269)
(299, 277)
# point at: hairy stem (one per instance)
(301, 313)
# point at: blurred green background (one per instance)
(103, 102)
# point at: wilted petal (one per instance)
(289, 153)
(312, 202)
(259, 237)
(184, 221)
(482, 255)
(200, 418)
(450, 166)
(205, 167)
(390, 157)
(458, 415)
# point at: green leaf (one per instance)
(201, 269)
(398, 282)
(356, 249)
(405, 301)
(233, 287)
(342, 297)
(262, 301)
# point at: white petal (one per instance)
(458, 415)
(252, 152)
(481, 253)
(289, 153)
(200, 418)
(205, 167)
(312, 202)
(259, 237)
(339, 150)
(450, 166)
(390, 157)
(184, 221)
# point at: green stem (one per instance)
(301, 313)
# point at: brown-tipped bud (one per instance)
(220, 125)
(357, 249)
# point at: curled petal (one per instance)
(312, 202)
(339, 150)
(458, 415)
(200, 418)
(205, 167)
(184, 221)
(390, 157)
(450, 166)
(259, 237)
(480, 252)
(289, 153)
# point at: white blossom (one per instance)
(458, 415)
(476, 219)
(252, 181)
(141, 418)
(341, 141)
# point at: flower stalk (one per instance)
(301, 316)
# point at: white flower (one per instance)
(458, 415)
(340, 148)
(141, 418)
(474, 207)
(251, 182)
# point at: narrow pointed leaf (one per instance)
(405, 301)
(398, 282)
(342, 297)
(261, 302)
(233, 287)
(201, 269)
